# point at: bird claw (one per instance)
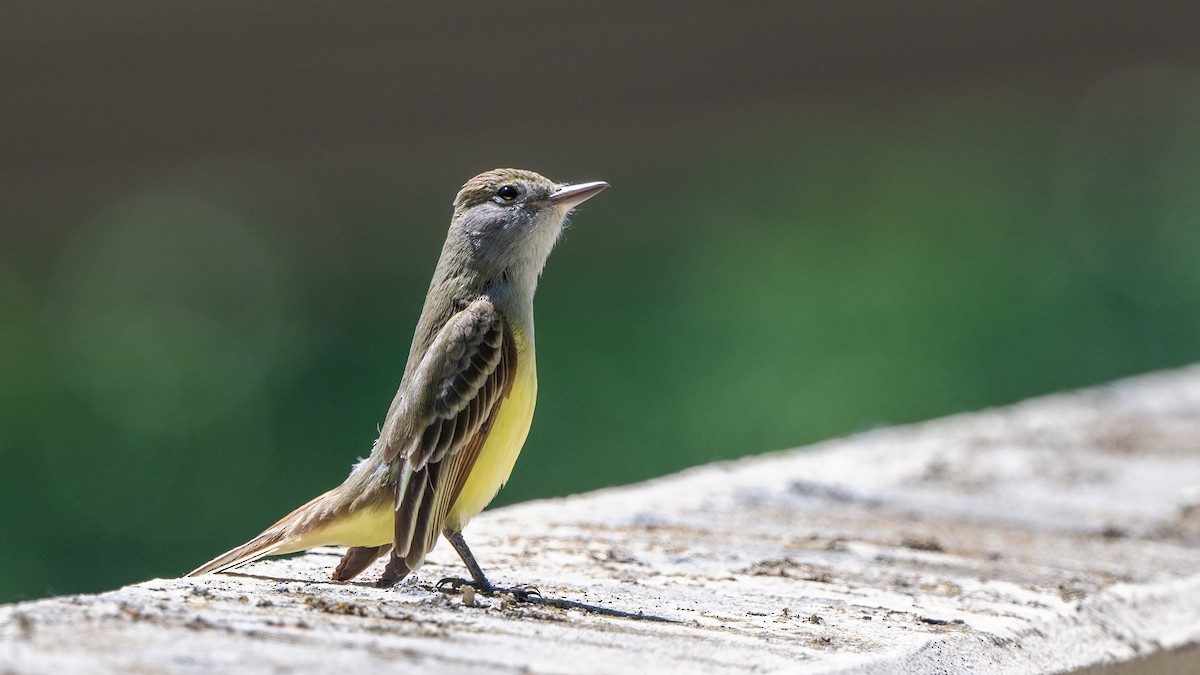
(451, 584)
(520, 592)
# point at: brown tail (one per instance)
(278, 539)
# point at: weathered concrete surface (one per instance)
(1056, 534)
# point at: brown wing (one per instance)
(465, 374)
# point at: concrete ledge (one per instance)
(1056, 534)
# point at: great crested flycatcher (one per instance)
(457, 424)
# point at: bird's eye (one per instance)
(507, 193)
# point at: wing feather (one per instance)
(462, 380)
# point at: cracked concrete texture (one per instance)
(1056, 534)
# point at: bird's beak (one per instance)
(570, 196)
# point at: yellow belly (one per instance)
(368, 526)
(374, 524)
(499, 453)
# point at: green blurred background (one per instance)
(218, 223)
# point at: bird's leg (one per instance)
(478, 581)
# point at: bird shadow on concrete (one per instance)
(532, 601)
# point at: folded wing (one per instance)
(436, 434)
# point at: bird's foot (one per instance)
(520, 592)
(451, 584)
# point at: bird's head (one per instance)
(511, 218)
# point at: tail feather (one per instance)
(357, 559)
(285, 536)
(261, 546)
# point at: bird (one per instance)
(466, 398)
